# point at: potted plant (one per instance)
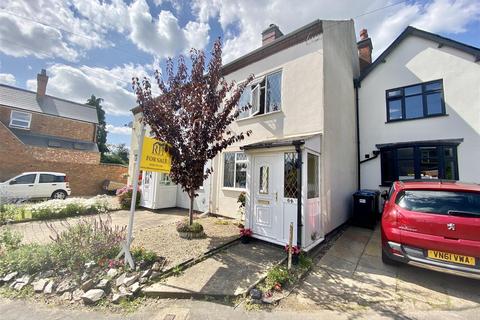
(190, 231)
(245, 235)
(295, 253)
(241, 208)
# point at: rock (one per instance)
(49, 287)
(102, 284)
(66, 296)
(87, 285)
(131, 279)
(123, 290)
(39, 285)
(143, 280)
(90, 265)
(19, 285)
(112, 273)
(84, 277)
(93, 296)
(256, 294)
(21, 282)
(118, 297)
(25, 279)
(77, 294)
(48, 274)
(134, 288)
(155, 274)
(9, 277)
(65, 285)
(146, 273)
(120, 280)
(156, 266)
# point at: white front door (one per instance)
(267, 217)
(147, 186)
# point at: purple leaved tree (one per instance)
(192, 115)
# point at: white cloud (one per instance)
(163, 36)
(243, 21)
(78, 84)
(119, 130)
(8, 78)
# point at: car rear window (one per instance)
(50, 178)
(440, 202)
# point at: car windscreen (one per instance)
(458, 203)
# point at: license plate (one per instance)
(451, 257)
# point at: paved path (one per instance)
(352, 277)
(40, 232)
(227, 273)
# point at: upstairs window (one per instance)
(264, 94)
(416, 101)
(20, 120)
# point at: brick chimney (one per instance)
(364, 49)
(42, 80)
(271, 34)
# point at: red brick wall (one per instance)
(85, 178)
(64, 155)
(55, 126)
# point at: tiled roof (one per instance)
(28, 100)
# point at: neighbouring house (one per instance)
(39, 132)
(300, 164)
(419, 113)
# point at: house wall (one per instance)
(85, 178)
(418, 60)
(339, 156)
(301, 111)
(54, 126)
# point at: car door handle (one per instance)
(54, 184)
(30, 185)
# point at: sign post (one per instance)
(152, 156)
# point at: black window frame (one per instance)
(424, 93)
(442, 159)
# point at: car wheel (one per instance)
(59, 194)
(387, 260)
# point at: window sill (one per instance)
(263, 115)
(21, 128)
(234, 189)
(422, 118)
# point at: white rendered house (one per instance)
(300, 163)
(419, 111)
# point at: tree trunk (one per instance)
(190, 212)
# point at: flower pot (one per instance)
(245, 240)
(295, 259)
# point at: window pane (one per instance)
(290, 175)
(394, 93)
(255, 100)
(312, 176)
(26, 179)
(241, 175)
(263, 183)
(406, 169)
(434, 103)
(47, 178)
(241, 156)
(413, 107)
(429, 163)
(274, 87)
(245, 100)
(388, 168)
(433, 86)
(228, 169)
(395, 109)
(405, 153)
(448, 151)
(413, 90)
(450, 170)
(20, 116)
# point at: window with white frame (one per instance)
(234, 170)
(264, 94)
(20, 119)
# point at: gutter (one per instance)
(356, 84)
(298, 149)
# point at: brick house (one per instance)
(41, 132)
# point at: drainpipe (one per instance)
(356, 84)
(297, 145)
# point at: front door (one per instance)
(267, 218)
(147, 186)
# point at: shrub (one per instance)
(304, 261)
(27, 258)
(278, 275)
(125, 197)
(53, 209)
(142, 254)
(10, 240)
(184, 226)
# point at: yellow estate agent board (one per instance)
(155, 156)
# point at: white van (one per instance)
(33, 185)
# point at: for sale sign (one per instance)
(155, 156)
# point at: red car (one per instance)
(433, 224)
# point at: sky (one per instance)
(96, 46)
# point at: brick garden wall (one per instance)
(85, 178)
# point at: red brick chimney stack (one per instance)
(365, 48)
(42, 80)
(271, 34)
